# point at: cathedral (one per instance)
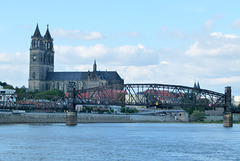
(41, 69)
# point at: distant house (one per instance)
(6, 95)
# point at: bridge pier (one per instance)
(227, 120)
(227, 117)
(71, 118)
(71, 114)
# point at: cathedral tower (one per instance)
(41, 60)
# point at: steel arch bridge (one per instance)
(33, 102)
(127, 94)
(150, 94)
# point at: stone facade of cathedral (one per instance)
(41, 69)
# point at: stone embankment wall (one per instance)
(82, 118)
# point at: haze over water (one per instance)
(119, 141)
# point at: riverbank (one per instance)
(9, 117)
(83, 118)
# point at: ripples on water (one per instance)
(119, 141)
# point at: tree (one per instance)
(6, 86)
(21, 90)
(53, 92)
(198, 115)
(128, 110)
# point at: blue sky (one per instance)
(150, 41)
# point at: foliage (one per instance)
(21, 90)
(189, 110)
(128, 110)
(53, 92)
(236, 108)
(198, 115)
(87, 109)
(48, 95)
(6, 86)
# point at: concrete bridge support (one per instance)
(71, 114)
(71, 118)
(227, 117)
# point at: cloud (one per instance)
(77, 34)
(97, 50)
(122, 55)
(208, 25)
(221, 35)
(236, 24)
(215, 44)
(16, 58)
(14, 68)
(164, 62)
(225, 80)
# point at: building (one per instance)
(236, 100)
(6, 95)
(41, 69)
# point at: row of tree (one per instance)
(23, 90)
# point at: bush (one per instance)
(128, 110)
(198, 115)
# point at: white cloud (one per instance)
(16, 58)
(208, 25)
(225, 80)
(164, 62)
(221, 35)
(14, 68)
(236, 24)
(97, 50)
(122, 55)
(77, 34)
(197, 50)
(215, 44)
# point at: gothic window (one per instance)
(34, 75)
(45, 45)
(35, 43)
(49, 45)
(34, 58)
(38, 43)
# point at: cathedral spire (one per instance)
(47, 35)
(94, 66)
(198, 85)
(37, 32)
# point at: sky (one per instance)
(145, 41)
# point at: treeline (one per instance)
(6, 86)
(23, 90)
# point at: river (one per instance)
(119, 141)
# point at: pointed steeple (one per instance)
(37, 32)
(47, 35)
(198, 86)
(194, 86)
(94, 66)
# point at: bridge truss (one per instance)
(33, 102)
(162, 95)
(150, 94)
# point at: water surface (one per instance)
(119, 141)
